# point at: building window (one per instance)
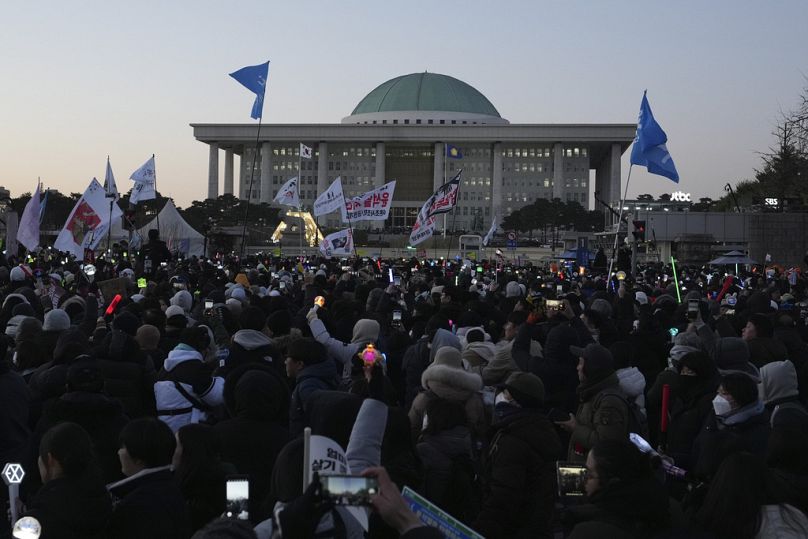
(442, 122)
(417, 121)
(395, 121)
(429, 122)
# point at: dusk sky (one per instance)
(83, 80)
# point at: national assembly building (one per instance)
(400, 131)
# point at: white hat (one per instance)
(641, 297)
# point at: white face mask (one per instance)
(721, 405)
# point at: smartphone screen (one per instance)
(390, 274)
(554, 304)
(349, 489)
(571, 479)
(208, 304)
(692, 308)
(396, 316)
(397, 281)
(238, 497)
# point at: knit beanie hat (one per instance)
(512, 290)
(602, 307)
(526, 388)
(234, 306)
(448, 356)
(174, 310)
(598, 361)
(147, 337)
(56, 320)
(239, 294)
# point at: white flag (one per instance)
(371, 206)
(337, 244)
(424, 225)
(88, 222)
(305, 151)
(109, 182)
(145, 173)
(28, 229)
(288, 194)
(331, 200)
(491, 231)
(142, 191)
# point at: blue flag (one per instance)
(453, 152)
(649, 148)
(254, 78)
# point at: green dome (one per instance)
(425, 91)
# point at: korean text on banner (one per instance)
(371, 206)
(330, 200)
(423, 228)
(326, 457)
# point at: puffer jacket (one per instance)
(184, 366)
(128, 373)
(602, 415)
(519, 495)
(437, 453)
(763, 350)
(455, 385)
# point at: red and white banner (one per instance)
(371, 206)
(88, 223)
(424, 226)
(445, 198)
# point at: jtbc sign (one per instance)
(679, 196)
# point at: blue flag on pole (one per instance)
(254, 78)
(649, 148)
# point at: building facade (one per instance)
(400, 131)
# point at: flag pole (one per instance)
(155, 196)
(299, 205)
(445, 158)
(619, 226)
(249, 190)
(350, 225)
(111, 198)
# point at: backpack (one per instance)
(637, 422)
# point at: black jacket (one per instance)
(714, 444)
(71, 508)
(14, 397)
(315, 377)
(129, 374)
(149, 506)
(415, 362)
(520, 477)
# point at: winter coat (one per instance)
(148, 505)
(602, 415)
(557, 369)
(780, 392)
(519, 481)
(689, 406)
(341, 352)
(782, 521)
(128, 373)
(763, 350)
(250, 346)
(437, 453)
(632, 384)
(255, 434)
(623, 511)
(102, 418)
(14, 399)
(455, 385)
(315, 377)
(204, 491)
(71, 508)
(477, 355)
(747, 429)
(416, 360)
(184, 366)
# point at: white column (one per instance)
(437, 175)
(228, 171)
(496, 180)
(266, 173)
(213, 170)
(380, 180)
(558, 171)
(615, 182)
(322, 167)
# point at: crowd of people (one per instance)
(129, 413)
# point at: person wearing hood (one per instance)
(85, 404)
(307, 362)
(175, 324)
(129, 374)
(365, 331)
(28, 354)
(632, 382)
(250, 346)
(477, 352)
(759, 336)
(781, 396)
(255, 432)
(625, 500)
(280, 330)
(186, 391)
(557, 369)
(523, 446)
(602, 410)
(445, 379)
(184, 300)
(56, 322)
(738, 422)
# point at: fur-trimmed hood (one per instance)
(451, 383)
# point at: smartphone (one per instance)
(282, 285)
(238, 496)
(397, 281)
(559, 289)
(208, 304)
(396, 316)
(571, 479)
(554, 304)
(692, 308)
(348, 489)
(163, 264)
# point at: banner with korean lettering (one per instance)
(327, 457)
(424, 226)
(330, 200)
(339, 243)
(445, 198)
(371, 206)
